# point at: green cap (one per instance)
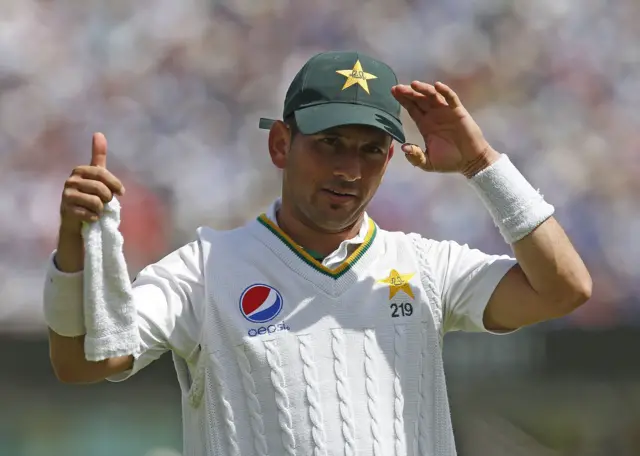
(343, 88)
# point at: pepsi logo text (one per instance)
(262, 330)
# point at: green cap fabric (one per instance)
(343, 88)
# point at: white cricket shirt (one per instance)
(278, 354)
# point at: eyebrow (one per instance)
(337, 131)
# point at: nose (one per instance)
(347, 166)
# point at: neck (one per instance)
(311, 238)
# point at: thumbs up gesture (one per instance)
(88, 189)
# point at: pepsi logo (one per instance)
(260, 303)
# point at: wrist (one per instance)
(516, 207)
(485, 159)
(69, 230)
(69, 256)
(63, 301)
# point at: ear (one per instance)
(279, 143)
(391, 151)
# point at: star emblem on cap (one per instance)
(356, 75)
(398, 282)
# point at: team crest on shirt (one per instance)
(398, 282)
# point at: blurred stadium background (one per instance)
(178, 87)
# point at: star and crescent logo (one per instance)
(398, 282)
(356, 75)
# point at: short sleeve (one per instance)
(168, 296)
(466, 279)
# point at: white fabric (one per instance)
(62, 301)
(169, 298)
(109, 311)
(515, 206)
(345, 368)
(334, 373)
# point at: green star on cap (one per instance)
(319, 98)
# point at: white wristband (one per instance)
(63, 301)
(515, 206)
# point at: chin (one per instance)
(337, 219)
(331, 216)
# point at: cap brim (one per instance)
(265, 124)
(315, 119)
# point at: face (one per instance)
(330, 177)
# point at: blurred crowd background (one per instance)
(178, 87)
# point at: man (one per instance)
(311, 330)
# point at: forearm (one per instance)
(70, 252)
(552, 266)
(63, 292)
(63, 307)
(549, 268)
(65, 316)
(70, 366)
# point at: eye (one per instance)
(373, 149)
(329, 140)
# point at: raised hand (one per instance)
(88, 189)
(453, 140)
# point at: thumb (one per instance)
(99, 150)
(416, 156)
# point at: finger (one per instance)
(91, 187)
(416, 156)
(81, 214)
(99, 150)
(408, 92)
(426, 97)
(408, 103)
(412, 108)
(445, 91)
(100, 174)
(71, 197)
(432, 95)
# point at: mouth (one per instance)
(340, 192)
(339, 195)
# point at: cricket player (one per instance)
(311, 330)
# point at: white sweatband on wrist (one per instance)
(63, 301)
(515, 206)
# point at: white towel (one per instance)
(109, 311)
